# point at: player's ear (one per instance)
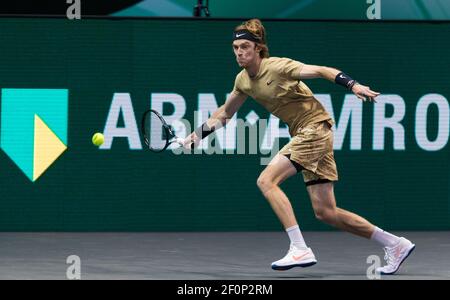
(257, 48)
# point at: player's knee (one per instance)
(264, 183)
(325, 214)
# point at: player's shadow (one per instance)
(350, 276)
(315, 276)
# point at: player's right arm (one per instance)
(218, 119)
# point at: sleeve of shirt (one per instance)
(290, 68)
(237, 85)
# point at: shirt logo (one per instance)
(269, 82)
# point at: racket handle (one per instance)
(179, 141)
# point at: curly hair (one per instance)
(257, 29)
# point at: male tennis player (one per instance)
(276, 84)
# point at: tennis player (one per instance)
(276, 83)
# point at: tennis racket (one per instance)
(154, 125)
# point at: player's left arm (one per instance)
(336, 76)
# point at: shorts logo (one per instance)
(34, 127)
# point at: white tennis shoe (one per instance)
(395, 256)
(295, 258)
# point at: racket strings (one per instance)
(157, 134)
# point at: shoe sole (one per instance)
(409, 253)
(284, 268)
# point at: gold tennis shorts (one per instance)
(311, 151)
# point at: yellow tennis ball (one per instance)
(98, 139)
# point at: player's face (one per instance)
(245, 52)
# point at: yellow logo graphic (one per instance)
(34, 127)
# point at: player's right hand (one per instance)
(191, 141)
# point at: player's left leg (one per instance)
(325, 209)
(397, 249)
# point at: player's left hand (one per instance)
(364, 93)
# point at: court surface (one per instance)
(198, 255)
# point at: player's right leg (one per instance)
(279, 169)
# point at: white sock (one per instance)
(296, 237)
(384, 238)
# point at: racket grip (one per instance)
(179, 141)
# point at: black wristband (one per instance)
(203, 131)
(345, 80)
